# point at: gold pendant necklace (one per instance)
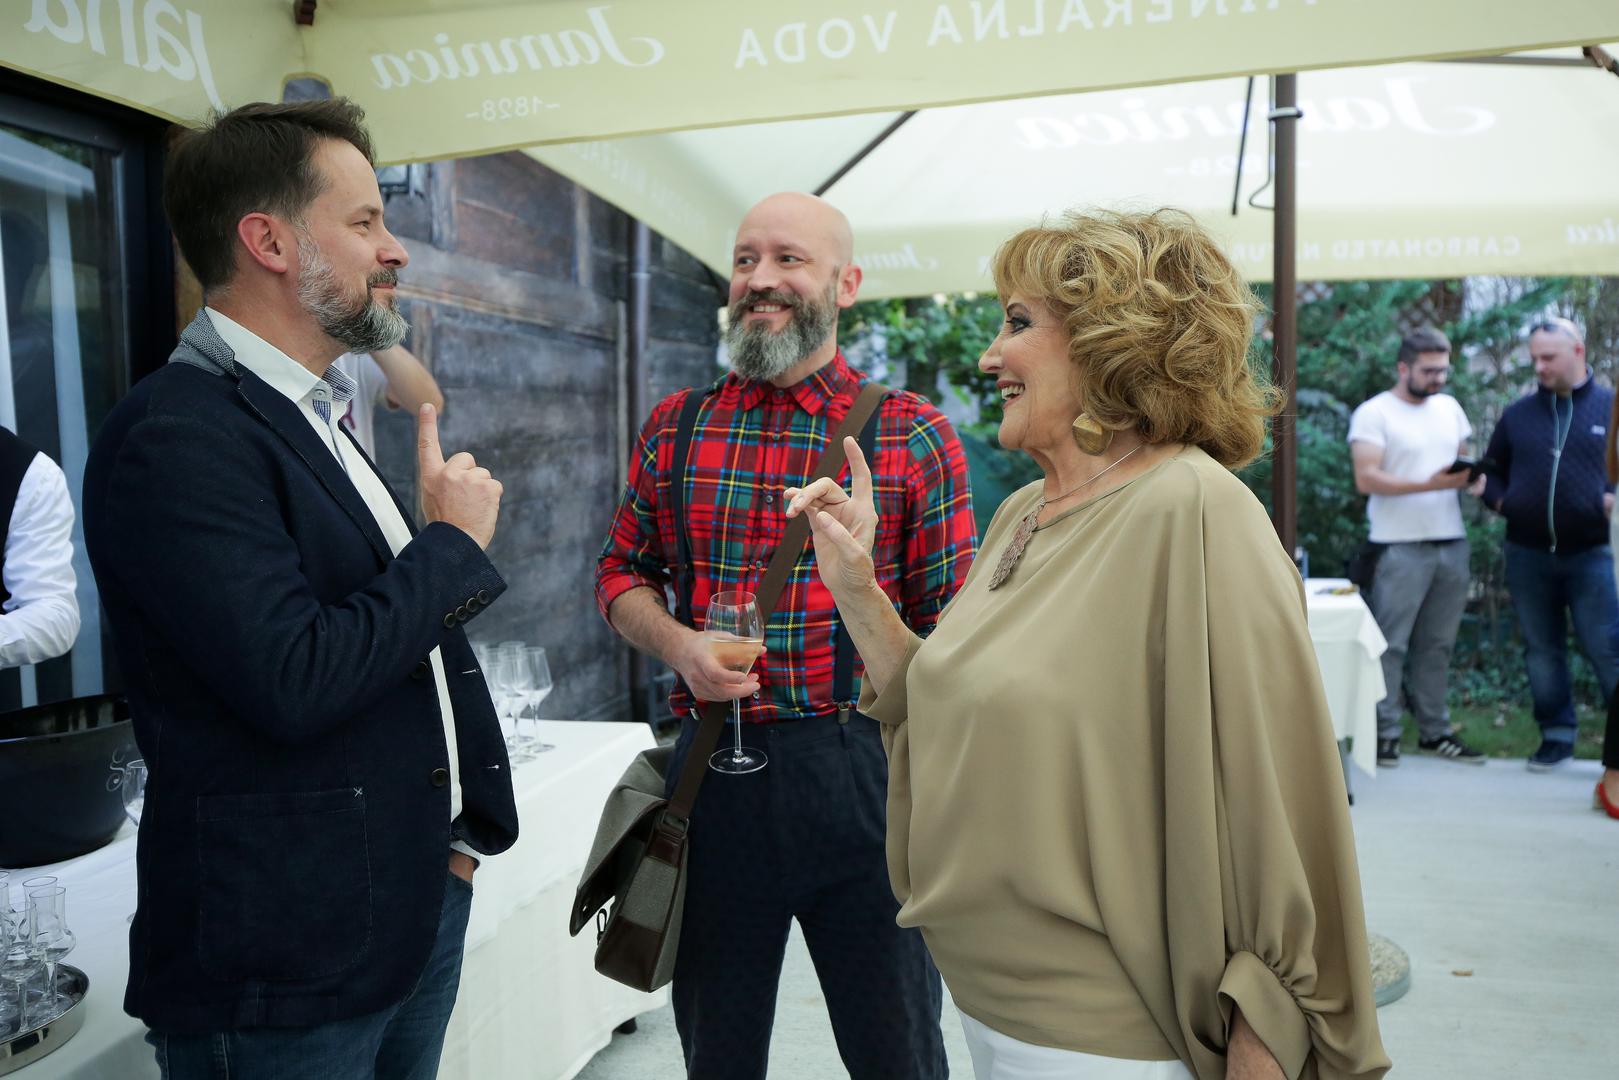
(1020, 539)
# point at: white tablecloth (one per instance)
(1349, 647)
(530, 1004)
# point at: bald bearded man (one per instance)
(803, 836)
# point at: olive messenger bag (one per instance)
(634, 882)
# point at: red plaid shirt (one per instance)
(750, 442)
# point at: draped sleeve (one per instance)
(1262, 889)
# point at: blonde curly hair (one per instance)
(1158, 323)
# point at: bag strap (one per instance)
(770, 587)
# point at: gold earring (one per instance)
(1091, 437)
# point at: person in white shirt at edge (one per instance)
(394, 377)
(40, 618)
(1403, 443)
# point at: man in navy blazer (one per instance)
(325, 763)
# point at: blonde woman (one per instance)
(1115, 806)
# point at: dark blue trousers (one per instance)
(401, 1042)
(801, 838)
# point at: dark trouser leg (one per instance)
(881, 988)
(734, 924)
(401, 1042)
(1610, 739)
(1594, 609)
(414, 1039)
(1537, 597)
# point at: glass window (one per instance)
(67, 279)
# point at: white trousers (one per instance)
(1001, 1057)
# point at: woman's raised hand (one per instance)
(843, 523)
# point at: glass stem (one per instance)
(736, 717)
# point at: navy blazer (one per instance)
(295, 836)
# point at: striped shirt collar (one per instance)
(281, 372)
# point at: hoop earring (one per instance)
(1091, 438)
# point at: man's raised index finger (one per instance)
(427, 448)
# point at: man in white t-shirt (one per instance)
(1404, 442)
(392, 376)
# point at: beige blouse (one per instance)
(1115, 805)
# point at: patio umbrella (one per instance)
(447, 78)
(1411, 170)
(1404, 171)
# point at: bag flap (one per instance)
(621, 833)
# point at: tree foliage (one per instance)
(1349, 334)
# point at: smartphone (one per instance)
(1467, 465)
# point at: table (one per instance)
(1349, 648)
(531, 1003)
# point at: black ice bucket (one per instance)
(60, 770)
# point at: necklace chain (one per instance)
(1020, 539)
(1044, 502)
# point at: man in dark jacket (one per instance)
(324, 761)
(1547, 477)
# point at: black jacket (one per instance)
(296, 829)
(1552, 500)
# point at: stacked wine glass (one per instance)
(34, 939)
(519, 678)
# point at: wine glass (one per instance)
(736, 635)
(10, 1003)
(52, 940)
(18, 959)
(521, 690)
(133, 790)
(540, 685)
(509, 676)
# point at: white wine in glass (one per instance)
(736, 634)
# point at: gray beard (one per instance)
(758, 352)
(364, 327)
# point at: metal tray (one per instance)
(19, 1049)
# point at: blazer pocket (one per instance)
(285, 884)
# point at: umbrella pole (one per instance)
(1284, 436)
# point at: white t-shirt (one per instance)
(361, 417)
(1417, 441)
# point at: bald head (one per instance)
(809, 219)
(1558, 350)
(792, 272)
(1559, 325)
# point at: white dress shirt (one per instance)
(300, 386)
(41, 620)
(361, 418)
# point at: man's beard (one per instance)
(1421, 391)
(359, 326)
(758, 352)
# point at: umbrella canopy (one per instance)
(1411, 170)
(445, 78)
